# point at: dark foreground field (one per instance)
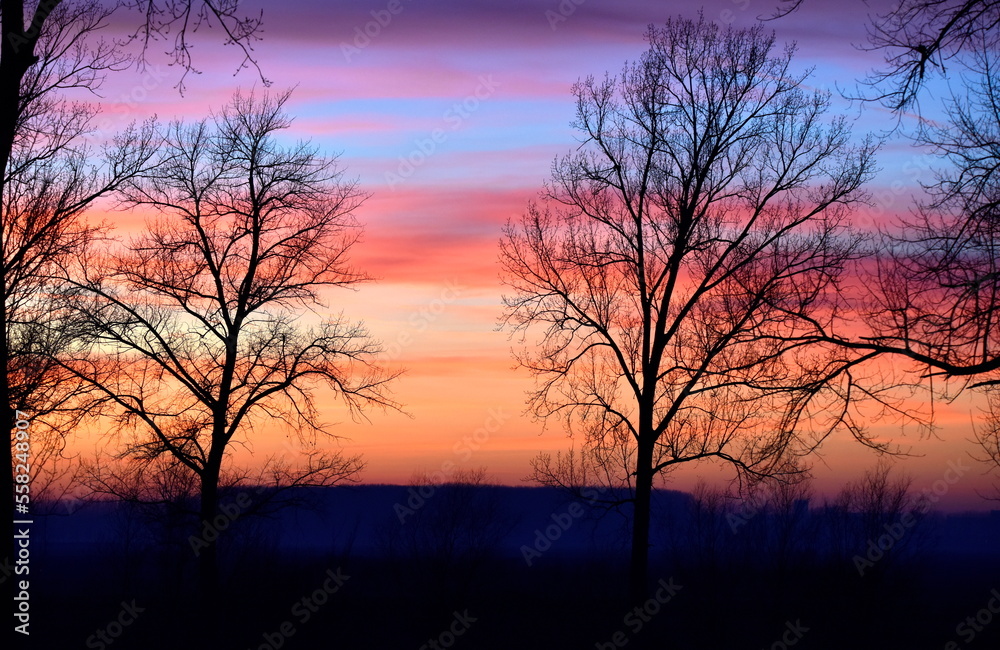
(516, 568)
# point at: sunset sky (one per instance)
(492, 80)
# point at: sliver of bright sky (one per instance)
(450, 114)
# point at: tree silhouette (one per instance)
(935, 284)
(938, 299)
(175, 21)
(51, 179)
(199, 330)
(448, 541)
(987, 435)
(60, 49)
(674, 260)
(921, 38)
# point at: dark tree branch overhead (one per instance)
(174, 21)
(934, 292)
(921, 38)
(784, 8)
(939, 288)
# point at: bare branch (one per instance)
(176, 21)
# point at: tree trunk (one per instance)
(208, 559)
(639, 568)
(16, 56)
(205, 616)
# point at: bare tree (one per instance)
(50, 181)
(878, 497)
(946, 281)
(200, 328)
(987, 435)
(941, 283)
(44, 184)
(60, 49)
(449, 539)
(673, 260)
(876, 522)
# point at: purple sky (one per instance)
(450, 114)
